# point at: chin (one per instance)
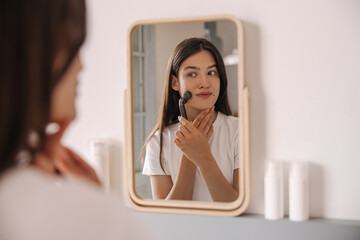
(204, 106)
(68, 116)
(72, 116)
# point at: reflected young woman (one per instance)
(194, 159)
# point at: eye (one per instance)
(192, 74)
(212, 73)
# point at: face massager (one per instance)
(182, 101)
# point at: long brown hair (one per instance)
(170, 111)
(33, 33)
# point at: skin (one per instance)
(197, 74)
(55, 157)
(64, 95)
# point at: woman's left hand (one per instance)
(192, 143)
(55, 156)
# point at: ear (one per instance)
(175, 83)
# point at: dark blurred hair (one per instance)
(33, 34)
(170, 111)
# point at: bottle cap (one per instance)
(274, 169)
(298, 169)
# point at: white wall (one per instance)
(303, 70)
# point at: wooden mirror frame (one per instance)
(184, 206)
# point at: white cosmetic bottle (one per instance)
(99, 157)
(274, 191)
(299, 192)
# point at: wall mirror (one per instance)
(150, 46)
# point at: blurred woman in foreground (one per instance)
(39, 64)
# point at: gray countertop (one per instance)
(177, 226)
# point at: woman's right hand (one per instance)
(192, 138)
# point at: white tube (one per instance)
(274, 191)
(299, 192)
(99, 157)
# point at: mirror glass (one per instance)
(152, 46)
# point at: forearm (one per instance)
(220, 189)
(184, 184)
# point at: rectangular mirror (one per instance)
(187, 65)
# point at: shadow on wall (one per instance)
(117, 166)
(316, 181)
(257, 115)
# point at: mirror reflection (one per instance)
(188, 70)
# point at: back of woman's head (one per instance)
(38, 41)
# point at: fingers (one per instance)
(200, 117)
(69, 163)
(201, 128)
(206, 123)
(177, 142)
(179, 134)
(65, 164)
(187, 124)
(77, 158)
(184, 131)
(81, 163)
(182, 134)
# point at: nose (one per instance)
(204, 82)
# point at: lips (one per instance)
(204, 94)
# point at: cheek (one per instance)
(216, 85)
(63, 98)
(184, 86)
(63, 102)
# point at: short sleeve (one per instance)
(152, 164)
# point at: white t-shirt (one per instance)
(224, 144)
(35, 205)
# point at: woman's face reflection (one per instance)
(199, 75)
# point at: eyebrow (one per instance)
(193, 67)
